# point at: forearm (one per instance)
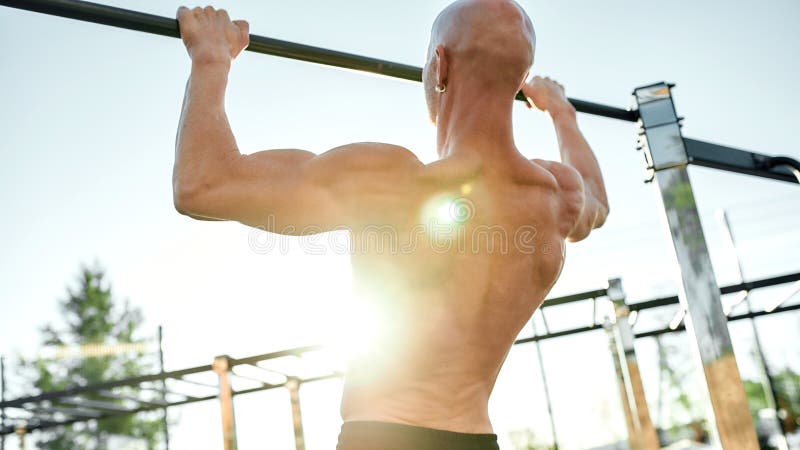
(576, 152)
(205, 143)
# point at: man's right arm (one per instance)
(580, 170)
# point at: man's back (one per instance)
(454, 262)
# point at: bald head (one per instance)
(493, 39)
(486, 44)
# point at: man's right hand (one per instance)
(211, 36)
(546, 95)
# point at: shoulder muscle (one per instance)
(571, 192)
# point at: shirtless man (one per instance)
(454, 300)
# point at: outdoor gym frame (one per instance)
(230, 377)
(667, 154)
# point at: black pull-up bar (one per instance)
(149, 23)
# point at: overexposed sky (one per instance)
(88, 116)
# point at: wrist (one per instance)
(210, 55)
(210, 63)
(562, 111)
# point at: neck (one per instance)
(475, 123)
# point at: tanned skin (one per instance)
(452, 313)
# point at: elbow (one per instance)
(590, 220)
(187, 197)
(602, 214)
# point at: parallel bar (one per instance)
(717, 156)
(163, 26)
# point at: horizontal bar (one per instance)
(252, 360)
(53, 395)
(746, 286)
(94, 404)
(302, 380)
(43, 424)
(74, 412)
(115, 396)
(557, 334)
(163, 26)
(715, 156)
(749, 315)
(588, 295)
(762, 283)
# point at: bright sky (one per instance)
(88, 118)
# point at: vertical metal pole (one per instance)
(293, 384)
(545, 384)
(699, 293)
(163, 384)
(222, 367)
(2, 399)
(630, 424)
(767, 382)
(623, 333)
(661, 358)
(21, 431)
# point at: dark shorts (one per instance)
(395, 436)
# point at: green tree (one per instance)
(101, 332)
(787, 388)
(787, 385)
(678, 402)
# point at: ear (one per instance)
(441, 65)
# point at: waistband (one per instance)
(368, 435)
